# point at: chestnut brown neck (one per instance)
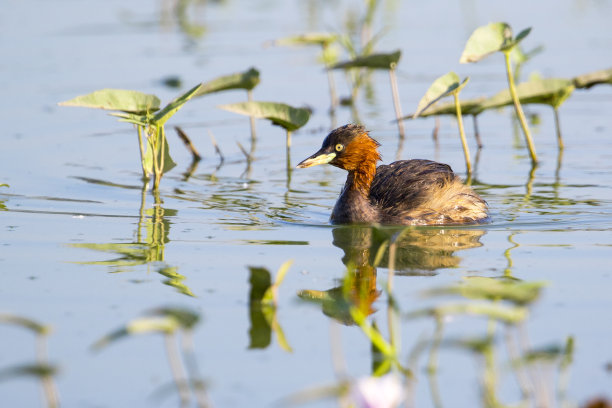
(360, 161)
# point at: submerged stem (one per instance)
(519, 109)
(466, 149)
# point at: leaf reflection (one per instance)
(152, 234)
(263, 302)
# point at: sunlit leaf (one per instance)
(468, 107)
(24, 322)
(320, 39)
(373, 61)
(603, 76)
(550, 91)
(280, 114)
(134, 118)
(488, 39)
(443, 86)
(143, 325)
(117, 100)
(506, 314)
(490, 288)
(163, 115)
(242, 80)
(187, 318)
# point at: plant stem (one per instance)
(476, 131)
(466, 149)
(251, 118)
(288, 155)
(519, 109)
(396, 101)
(558, 128)
(145, 176)
(154, 152)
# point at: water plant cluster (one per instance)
(143, 111)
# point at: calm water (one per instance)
(85, 251)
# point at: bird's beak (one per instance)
(319, 157)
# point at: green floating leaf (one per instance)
(550, 91)
(25, 323)
(163, 115)
(152, 324)
(373, 61)
(321, 39)
(117, 100)
(242, 80)
(603, 76)
(477, 287)
(488, 39)
(468, 107)
(280, 114)
(185, 317)
(445, 85)
(506, 314)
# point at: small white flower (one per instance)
(377, 392)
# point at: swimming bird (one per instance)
(405, 192)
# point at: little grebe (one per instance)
(408, 192)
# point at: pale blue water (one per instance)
(75, 183)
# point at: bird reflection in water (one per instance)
(418, 252)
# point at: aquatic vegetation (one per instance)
(591, 79)
(280, 114)
(448, 84)
(382, 61)
(42, 370)
(497, 37)
(328, 56)
(143, 111)
(549, 91)
(170, 322)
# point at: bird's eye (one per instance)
(339, 147)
